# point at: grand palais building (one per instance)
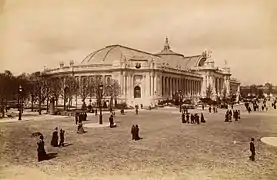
(147, 78)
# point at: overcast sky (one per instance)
(37, 33)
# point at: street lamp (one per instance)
(19, 102)
(100, 95)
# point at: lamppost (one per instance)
(19, 102)
(181, 100)
(100, 96)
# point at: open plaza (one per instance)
(169, 149)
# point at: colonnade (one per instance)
(189, 86)
(219, 84)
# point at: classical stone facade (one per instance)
(146, 78)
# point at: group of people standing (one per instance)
(214, 108)
(55, 138)
(135, 132)
(232, 113)
(79, 117)
(54, 142)
(192, 118)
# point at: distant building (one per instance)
(146, 78)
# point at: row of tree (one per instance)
(41, 89)
(258, 90)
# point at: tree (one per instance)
(253, 89)
(112, 90)
(209, 91)
(70, 87)
(269, 88)
(84, 89)
(56, 88)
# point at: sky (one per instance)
(38, 33)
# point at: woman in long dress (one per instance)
(40, 149)
(55, 138)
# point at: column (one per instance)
(162, 78)
(150, 84)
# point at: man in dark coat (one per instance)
(183, 118)
(210, 109)
(192, 119)
(187, 116)
(81, 117)
(202, 118)
(55, 138)
(252, 150)
(62, 137)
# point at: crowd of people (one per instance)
(192, 118)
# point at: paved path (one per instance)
(270, 141)
(96, 125)
(32, 118)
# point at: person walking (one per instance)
(252, 150)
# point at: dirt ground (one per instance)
(168, 150)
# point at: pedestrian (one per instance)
(61, 138)
(227, 116)
(40, 149)
(133, 129)
(196, 118)
(80, 129)
(192, 119)
(137, 133)
(183, 118)
(136, 109)
(187, 117)
(202, 118)
(76, 118)
(252, 150)
(210, 109)
(122, 111)
(112, 124)
(95, 111)
(55, 138)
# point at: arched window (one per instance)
(137, 92)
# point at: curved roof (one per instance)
(112, 53)
(118, 53)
